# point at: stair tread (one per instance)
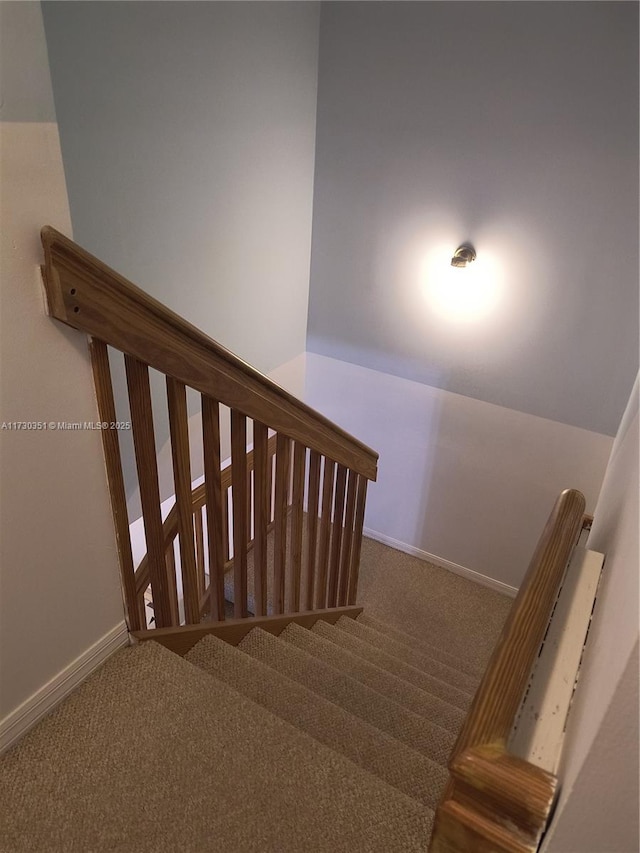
(437, 669)
(390, 676)
(367, 746)
(139, 758)
(457, 661)
(359, 699)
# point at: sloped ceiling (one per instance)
(511, 125)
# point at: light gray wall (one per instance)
(597, 808)
(515, 126)
(463, 483)
(25, 86)
(602, 811)
(59, 580)
(188, 133)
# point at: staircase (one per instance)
(301, 723)
(334, 738)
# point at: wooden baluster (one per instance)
(297, 501)
(107, 411)
(198, 532)
(361, 498)
(283, 450)
(250, 535)
(142, 610)
(261, 490)
(347, 540)
(170, 558)
(226, 535)
(170, 563)
(336, 536)
(325, 533)
(163, 587)
(216, 511)
(239, 495)
(312, 522)
(179, 432)
(272, 482)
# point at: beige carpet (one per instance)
(334, 739)
(153, 754)
(431, 604)
(367, 746)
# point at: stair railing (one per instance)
(307, 482)
(171, 531)
(496, 802)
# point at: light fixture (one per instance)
(463, 256)
(464, 288)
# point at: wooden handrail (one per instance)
(494, 801)
(240, 504)
(86, 294)
(498, 698)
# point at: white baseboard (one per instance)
(476, 577)
(33, 709)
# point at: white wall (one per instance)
(60, 590)
(598, 803)
(466, 481)
(512, 125)
(188, 138)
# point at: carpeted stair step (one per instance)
(437, 669)
(368, 747)
(473, 667)
(391, 675)
(145, 756)
(436, 632)
(437, 606)
(395, 719)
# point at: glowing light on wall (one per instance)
(462, 294)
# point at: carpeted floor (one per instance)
(331, 739)
(431, 603)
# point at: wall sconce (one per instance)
(463, 256)
(462, 297)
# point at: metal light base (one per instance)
(463, 256)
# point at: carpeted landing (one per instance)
(330, 739)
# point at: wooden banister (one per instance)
(86, 294)
(498, 698)
(350, 513)
(297, 503)
(181, 578)
(325, 532)
(107, 411)
(179, 427)
(262, 488)
(162, 583)
(239, 506)
(494, 801)
(314, 495)
(212, 494)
